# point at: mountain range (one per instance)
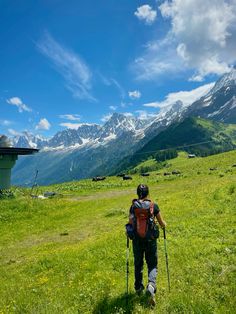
(93, 149)
(212, 137)
(219, 103)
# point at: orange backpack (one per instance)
(144, 221)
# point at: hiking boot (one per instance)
(150, 291)
(140, 291)
(151, 301)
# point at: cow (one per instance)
(121, 175)
(212, 169)
(167, 173)
(234, 165)
(176, 172)
(145, 174)
(49, 194)
(191, 155)
(98, 179)
(127, 177)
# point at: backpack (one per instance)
(144, 222)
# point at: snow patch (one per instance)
(214, 113)
(85, 140)
(110, 137)
(234, 103)
(223, 107)
(206, 104)
(227, 80)
(32, 144)
(207, 98)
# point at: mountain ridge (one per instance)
(211, 137)
(97, 150)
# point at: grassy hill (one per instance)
(68, 254)
(215, 137)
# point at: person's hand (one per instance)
(163, 225)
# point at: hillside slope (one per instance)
(68, 254)
(214, 136)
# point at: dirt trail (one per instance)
(108, 194)
(101, 195)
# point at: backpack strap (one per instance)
(152, 209)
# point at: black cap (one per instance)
(142, 191)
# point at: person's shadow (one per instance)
(124, 303)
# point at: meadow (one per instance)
(67, 254)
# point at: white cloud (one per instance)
(187, 97)
(201, 40)
(111, 81)
(128, 114)
(119, 87)
(106, 117)
(144, 115)
(106, 81)
(71, 117)
(5, 122)
(69, 125)
(113, 108)
(135, 94)
(204, 33)
(43, 125)
(159, 59)
(16, 101)
(71, 66)
(146, 13)
(13, 132)
(141, 114)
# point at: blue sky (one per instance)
(69, 62)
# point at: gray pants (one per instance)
(147, 248)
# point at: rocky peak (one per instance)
(227, 80)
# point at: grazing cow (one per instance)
(145, 174)
(127, 178)
(49, 194)
(212, 169)
(191, 155)
(234, 165)
(120, 175)
(176, 172)
(167, 173)
(98, 179)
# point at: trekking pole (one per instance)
(167, 265)
(127, 266)
(34, 184)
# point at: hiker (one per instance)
(144, 232)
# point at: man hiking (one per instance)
(144, 232)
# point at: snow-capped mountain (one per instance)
(97, 150)
(115, 127)
(219, 103)
(163, 119)
(120, 124)
(90, 150)
(70, 137)
(28, 140)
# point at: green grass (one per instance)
(43, 271)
